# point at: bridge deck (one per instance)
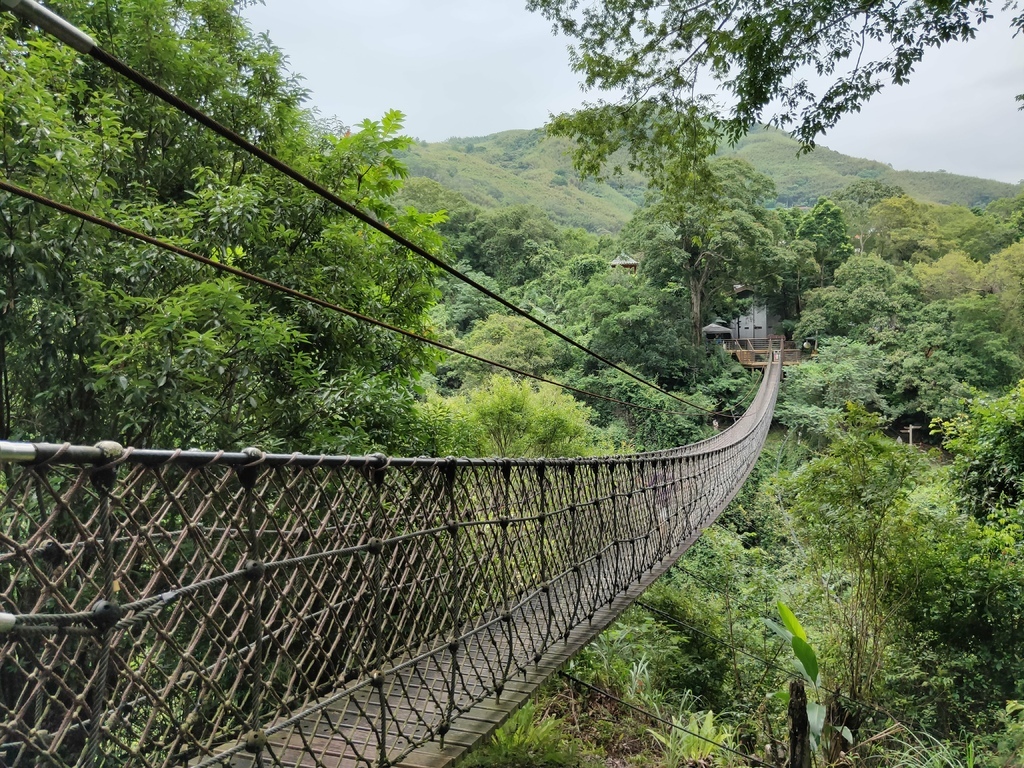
(338, 734)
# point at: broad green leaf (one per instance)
(790, 620)
(845, 733)
(781, 695)
(816, 718)
(808, 660)
(785, 634)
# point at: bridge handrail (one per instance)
(160, 608)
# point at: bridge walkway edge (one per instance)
(464, 737)
(302, 746)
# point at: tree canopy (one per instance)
(801, 65)
(105, 338)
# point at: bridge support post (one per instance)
(254, 593)
(545, 575)
(375, 550)
(573, 512)
(616, 535)
(455, 603)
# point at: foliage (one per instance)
(634, 659)
(631, 322)
(646, 430)
(508, 339)
(109, 339)
(816, 393)
(694, 739)
(948, 351)
(869, 301)
(988, 441)
(952, 275)
(505, 417)
(1009, 746)
(513, 244)
(705, 235)
(852, 506)
(527, 741)
(901, 230)
(822, 732)
(1004, 276)
(824, 226)
(911, 751)
(200, 358)
(657, 54)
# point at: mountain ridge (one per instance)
(525, 166)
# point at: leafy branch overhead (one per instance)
(799, 65)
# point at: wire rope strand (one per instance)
(201, 117)
(14, 189)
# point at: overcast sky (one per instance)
(475, 67)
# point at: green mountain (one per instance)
(529, 167)
(802, 179)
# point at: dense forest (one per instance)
(897, 566)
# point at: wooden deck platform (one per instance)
(757, 353)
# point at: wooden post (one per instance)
(799, 727)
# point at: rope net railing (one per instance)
(171, 608)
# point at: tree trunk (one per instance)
(696, 310)
(799, 727)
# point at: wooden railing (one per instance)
(757, 353)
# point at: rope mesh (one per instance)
(181, 608)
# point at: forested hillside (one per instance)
(891, 575)
(528, 168)
(531, 168)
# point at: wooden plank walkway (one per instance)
(339, 734)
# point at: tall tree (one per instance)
(853, 504)
(825, 226)
(105, 338)
(706, 236)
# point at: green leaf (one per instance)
(790, 620)
(807, 660)
(816, 718)
(781, 695)
(845, 733)
(781, 632)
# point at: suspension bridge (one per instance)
(185, 608)
(190, 608)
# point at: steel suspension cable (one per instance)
(68, 33)
(14, 189)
